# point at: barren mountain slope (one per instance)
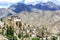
(42, 18)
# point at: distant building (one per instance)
(15, 18)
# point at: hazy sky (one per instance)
(7, 3)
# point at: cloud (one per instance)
(31, 1)
(57, 2)
(45, 0)
(38, 1)
(4, 7)
(10, 1)
(7, 3)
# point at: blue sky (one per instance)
(7, 3)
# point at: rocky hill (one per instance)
(36, 17)
(6, 12)
(49, 19)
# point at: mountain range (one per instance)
(42, 14)
(20, 7)
(41, 6)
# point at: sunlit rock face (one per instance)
(6, 12)
(47, 19)
(3, 38)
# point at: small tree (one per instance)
(19, 35)
(42, 34)
(1, 19)
(35, 39)
(10, 31)
(15, 38)
(12, 37)
(54, 38)
(27, 35)
(46, 38)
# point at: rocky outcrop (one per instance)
(47, 19)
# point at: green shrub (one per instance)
(10, 31)
(12, 37)
(35, 39)
(15, 38)
(26, 36)
(19, 35)
(0, 32)
(54, 38)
